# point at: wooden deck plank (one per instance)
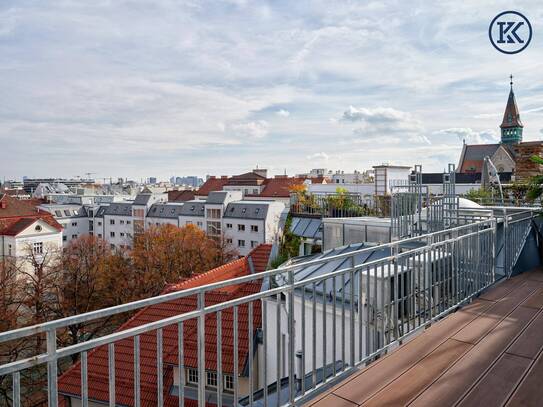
(481, 326)
(502, 289)
(498, 383)
(376, 376)
(535, 301)
(530, 342)
(408, 385)
(451, 386)
(530, 390)
(332, 400)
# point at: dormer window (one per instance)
(37, 228)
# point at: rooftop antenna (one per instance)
(511, 82)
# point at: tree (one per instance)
(164, 254)
(535, 189)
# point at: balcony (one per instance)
(301, 333)
(489, 353)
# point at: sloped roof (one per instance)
(180, 196)
(212, 184)
(162, 210)
(247, 210)
(18, 213)
(193, 208)
(249, 178)
(118, 209)
(280, 186)
(511, 116)
(69, 383)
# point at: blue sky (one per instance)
(162, 87)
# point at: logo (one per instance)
(510, 32)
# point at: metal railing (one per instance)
(517, 226)
(316, 328)
(332, 205)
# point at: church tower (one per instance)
(511, 127)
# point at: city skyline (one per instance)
(138, 90)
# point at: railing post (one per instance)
(201, 350)
(52, 368)
(291, 338)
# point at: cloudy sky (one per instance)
(162, 87)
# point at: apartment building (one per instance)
(118, 225)
(26, 230)
(74, 220)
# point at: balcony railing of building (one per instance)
(336, 205)
(331, 322)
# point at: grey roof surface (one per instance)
(100, 211)
(307, 227)
(162, 210)
(246, 210)
(193, 208)
(216, 197)
(309, 271)
(480, 151)
(119, 209)
(66, 211)
(142, 199)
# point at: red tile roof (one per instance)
(180, 196)
(212, 184)
(69, 383)
(280, 186)
(16, 215)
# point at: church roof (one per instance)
(511, 116)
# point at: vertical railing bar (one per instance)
(111, 373)
(52, 368)
(324, 338)
(368, 306)
(181, 364)
(201, 351)
(265, 350)
(352, 311)
(219, 359)
(291, 338)
(302, 373)
(375, 344)
(137, 401)
(236, 356)
(16, 389)
(250, 339)
(84, 381)
(334, 345)
(314, 338)
(343, 361)
(279, 347)
(159, 368)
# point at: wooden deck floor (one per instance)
(489, 353)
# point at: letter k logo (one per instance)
(509, 29)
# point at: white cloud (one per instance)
(469, 135)
(322, 156)
(381, 121)
(283, 113)
(254, 130)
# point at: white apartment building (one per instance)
(73, 219)
(117, 225)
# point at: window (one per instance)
(228, 382)
(74, 236)
(254, 243)
(229, 241)
(255, 191)
(99, 223)
(211, 379)
(192, 376)
(64, 238)
(37, 248)
(138, 213)
(128, 222)
(122, 234)
(37, 228)
(112, 221)
(228, 226)
(241, 228)
(74, 224)
(214, 213)
(199, 224)
(99, 235)
(58, 213)
(112, 234)
(122, 222)
(241, 243)
(67, 212)
(9, 250)
(189, 222)
(254, 228)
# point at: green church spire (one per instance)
(511, 127)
